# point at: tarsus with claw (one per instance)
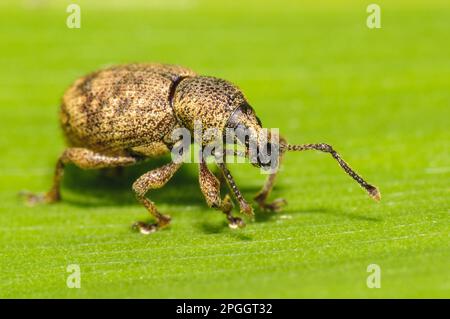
(372, 190)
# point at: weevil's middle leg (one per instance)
(210, 187)
(83, 158)
(154, 179)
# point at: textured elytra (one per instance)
(122, 107)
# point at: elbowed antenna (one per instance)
(372, 190)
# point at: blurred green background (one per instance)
(313, 69)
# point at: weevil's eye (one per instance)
(246, 108)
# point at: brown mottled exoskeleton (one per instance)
(120, 115)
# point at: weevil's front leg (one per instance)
(261, 198)
(154, 179)
(83, 158)
(210, 187)
(263, 194)
(243, 204)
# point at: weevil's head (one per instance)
(213, 104)
(262, 146)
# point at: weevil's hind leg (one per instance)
(261, 198)
(83, 158)
(154, 179)
(210, 187)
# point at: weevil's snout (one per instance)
(264, 155)
(267, 156)
(261, 145)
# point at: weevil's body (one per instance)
(117, 116)
(135, 108)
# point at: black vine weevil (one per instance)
(120, 115)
